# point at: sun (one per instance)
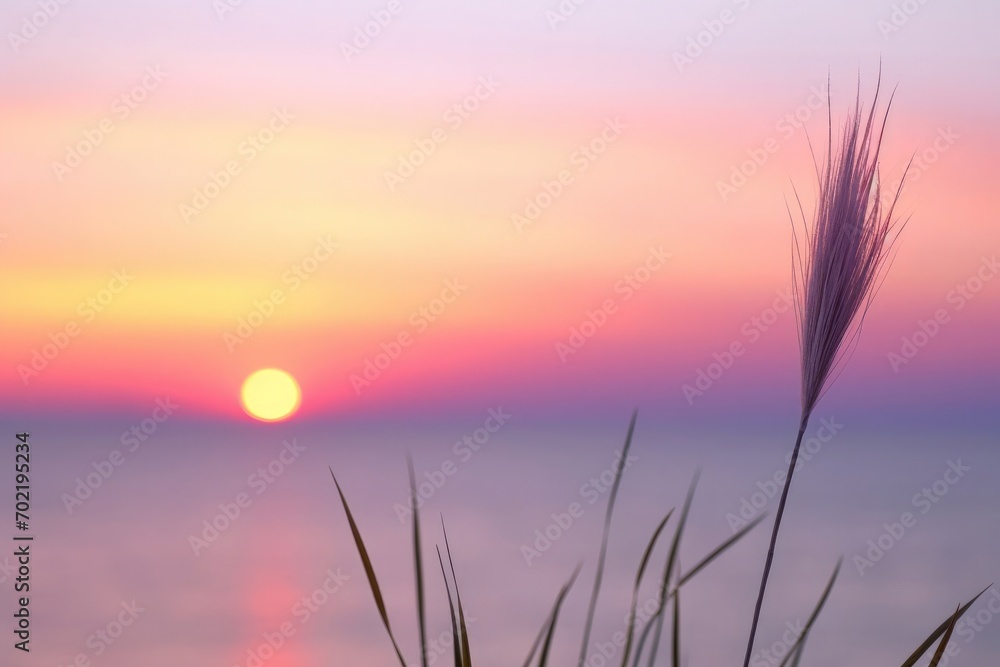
(270, 395)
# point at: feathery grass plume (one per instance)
(846, 256)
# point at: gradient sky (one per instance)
(682, 131)
(191, 194)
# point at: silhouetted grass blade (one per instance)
(598, 576)
(676, 638)
(668, 570)
(797, 646)
(538, 641)
(418, 566)
(912, 660)
(630, 630)
(544, 658)
(797, 651)
(369, 571)
(466, 652)
(720, 549)
(451, 609)
(944, 640)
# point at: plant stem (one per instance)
(774, 538)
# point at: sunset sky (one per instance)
(162, 98)
(423, 210)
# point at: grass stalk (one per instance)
(774, 540)
(602, 556)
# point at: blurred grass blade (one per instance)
(466, 651)
(720, 549)
(650, 624)
(676, 638)
(451, 609)
(630, 630)
(418, 564)
(796, 647)
(668, 570)
(912, 660)
(599, 575)
(544, 658)
(797, 651)
(944, 640)
(538, 641)
(369, 571)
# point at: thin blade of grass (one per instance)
(599, 575)
(630, 630)
(813, 616)
(544, 658)
(668, 570)
(676, 638)
(418, 564)
(798, 652)
(704, 562)
(369, 571)
(650, 624)
(466, 650)
(684, 579)
(451, 609)
(538, 641)
(720, 549)
(944, 640)
(912, 660)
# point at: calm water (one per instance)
(132, 575)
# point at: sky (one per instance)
(163, 100)
(425, 209)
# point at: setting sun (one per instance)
(270, 395)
